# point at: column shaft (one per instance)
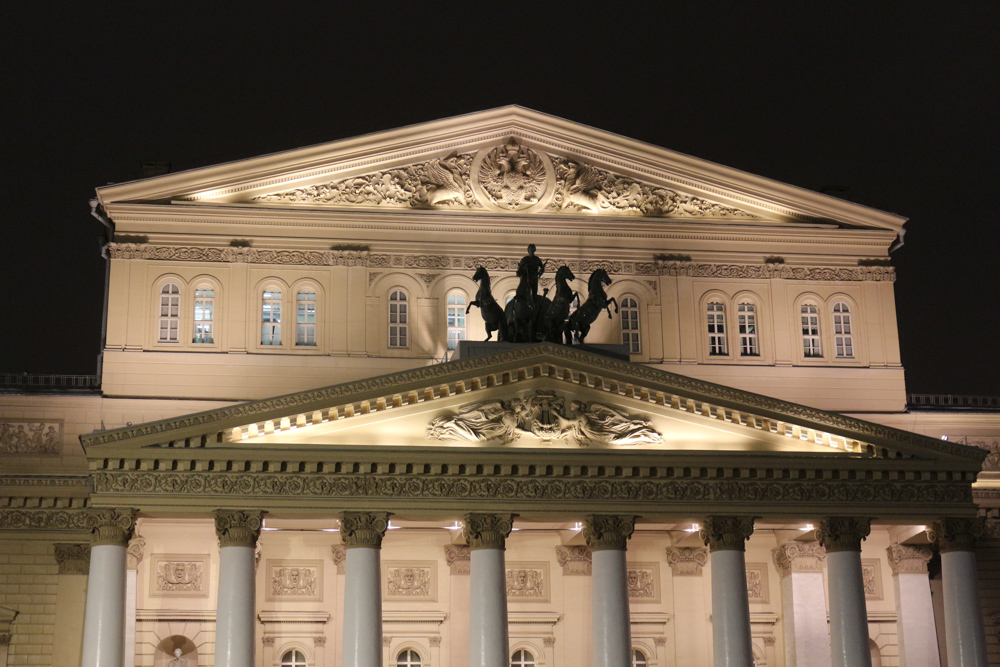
(488, 641)
(362, 608)
(848, 612)
(234, 624)
(731, 640)
(963, 617)
(611, 622)
(104, 624)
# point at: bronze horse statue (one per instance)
(521, 312)
(491, 311)
(578, 325)
(554, 317)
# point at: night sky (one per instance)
(895, 102)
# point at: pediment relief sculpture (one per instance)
(507, 177)
(544, 415)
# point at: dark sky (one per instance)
(896, 102)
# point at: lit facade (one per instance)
(286, 399)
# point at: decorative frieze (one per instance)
(726, 533)
(179, 575)
(487, 531)
(110, 526)
(643, 582)
(339, 554)
(238, 528)
(686, 561)
(608, 531)
(300, 580)
(30, 438)
(956, 534)
(798, 557)
(841, 533)
(230, 255)
(871, 575)
(776, 271)
(458, 557)
(906, 559)
(363, 529)
(72, 558)
(574, 560)
(527, 582)
(992, 461)
(134, 551)
(757, 584)
(11, 519)
(409, 581)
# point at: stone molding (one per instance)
(458, 557)
(687, 561)
(72, 558)
(956, 534)
(574, 560)
(339, 554)
(798, 557)
(906, 559)
(111, 526)
(842, 533)
(487, 531)
(726, 533)
(605, 532)
(134, 552)
(238, 528)
(363, 529)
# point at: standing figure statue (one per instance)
(579, 322)
(178, 661)
(532, 268)
(524, 310)
(491, 311)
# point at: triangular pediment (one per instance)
(509, 160)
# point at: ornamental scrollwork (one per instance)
(487, 531)
(726, 533)
(72, 558)
(607, 531)
(363, 529)
(686, 561)
(841, 533)
(111, 526)
(544, 415)
(956, 534)
(239, 528)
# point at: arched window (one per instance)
(408, 658)
(456, 319)
(204, 314)
(843, 337)
(522, 658)
(716, 313)
(170, 313)
(630, 324)
(270, 318)
(293, 658)
(398, 319)
(638, 658)
(305, 318)
(810, 331)
(747, 314)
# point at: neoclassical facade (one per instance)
(303, 454)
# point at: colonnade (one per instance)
(606, 536)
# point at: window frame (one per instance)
(712, 318)
(741, 335)
(299, 290)
(813, 339)
(213, 299)
(177, 297)
(841, 319)
(634, 662)
(293, 650)
(393, 328)
(634, 331)
(262, 300)
(407, 650)
(460, 315)
(534, 662)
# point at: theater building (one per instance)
(299, 452)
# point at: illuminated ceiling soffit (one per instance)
(535, 396)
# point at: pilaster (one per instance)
(686, 561)
(574, 560)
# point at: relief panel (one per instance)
(409, 581)
(180, 575)
(294, 580)
(528, 582)
(643, 580)
(871, 574)
(30, 438)
(757, 584)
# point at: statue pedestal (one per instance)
(468, 349)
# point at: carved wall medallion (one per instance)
(294, 580)
(30, 438)
(512, 177)
(643, 581)
(180, 575)
(757, 585)
(528, 582)
(409, 581)
(544, 415)
(871, 574)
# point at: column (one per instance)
(133, 555)
(238, 531)
(488, 641)
(362, 534)
(725, 537)
(606, 536)
(690, 619)
(71, 601)
(803, 599)
(841, 537)
(104, 622)
(965, 639)
(917, 635)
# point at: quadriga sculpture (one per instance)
(578, 325)
(491, 311)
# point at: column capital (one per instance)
(73, 558)
(487, 531)
(906, 559)
(111, 526)
(238, 528)
(134, 552)
(687, 561)
(798, 557)
(604, 532)
(458, 557)
(956, 534)
(843, 533)
(575, 559)
(726, 533)
(339, 554)
(363, 529)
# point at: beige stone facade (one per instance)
(257, 358)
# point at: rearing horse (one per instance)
(489, 308)
(555, 317)
(597, 300)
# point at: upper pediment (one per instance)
(509, 160)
